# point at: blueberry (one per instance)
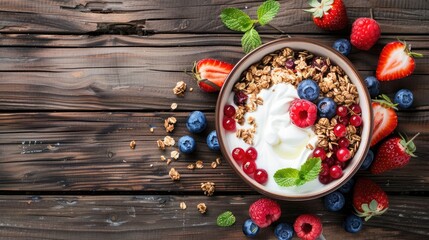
(368, 160)
(212, 141)
(334, 201)
(373, 86)
(343, 46)
(326, 108)
(283, 231)
(308, 89)
(353, 223)
(196, 122)
(404, 98)
(187, 144)
(347, 187)
(250, 229)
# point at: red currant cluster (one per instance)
(248, 160)
(228, 121)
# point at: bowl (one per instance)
(313, 189)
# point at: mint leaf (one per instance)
(267, 11)
(286, 177)
(225, 219)
(250, 40)
(236, 20)
(310, 169)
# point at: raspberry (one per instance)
(264, 211)
(308, 227)
(365, 33)
(303, 113)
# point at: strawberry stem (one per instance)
(385, 101)
(409, 141)
(371, 14)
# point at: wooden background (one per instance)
(80, 79)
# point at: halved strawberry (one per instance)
(385, 118)
(211, 74)
(396, 61)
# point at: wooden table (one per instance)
(81, 79)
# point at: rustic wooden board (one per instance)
(159, 217)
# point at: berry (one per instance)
(261, 176)
(343, 154)
(308, 90)
(404, 98)
(290, 63)
(196, 122)
(342, 111)
(228, 123)
(326, 108)
(264, 211)
(368, 160)
(355, 109)
(325, 179)
(353, 223)
(336, 172)
(385, 119)
(240, 98)
(347, 187)
(330, 161)
(356, 120)
(369, 199)
(373, 86)
(303, 113)
(229, 111)
(238, 154)
(343, 46)
(251, 154)
(343, 120)
(308, 226)
(334, 201)
(329, 14)
(250, 229)
(211, 74)
(340, 130)
(324, 171)
(341, 164)
(212, 141)
(249, 167)
(283, 231)
(319, 152)
(318, 63)
(343, 142)
(365, 33)
(187, 144)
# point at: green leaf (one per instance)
(236, 20)
(286, 177)
(267, 11)
(225, 219)
(310, 169)
(250, 40)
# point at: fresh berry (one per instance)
(393, 153)
(196, 122)
(308, 90)
(329, 14)
(404, 98)
(290, 63)
(261, 176)
(308, 227)
(319, 152)
(334, 201)
(373, 86)
(342, 111)
(343, 46)
(347, 187)
(250, 229)
(340, 130)
(355, 120)
(251, 154)
(264, 211)
(249, 167)
(368, 160)
(330, 161)
(326, 108)
(385, 119)
(369, 199)
(365, 33)
(325, 179)
(336, 172)
(238, 154)
(318, 63)
(343, 120)
(303, 113)
(353, 223)
(341, 164)
(240, 98)
(186, 144)
(343, 154)
(211, 74)
(355, 109)
(229, 111)
(283, 231)
(396, 61)
(343, 142)
(324, 171)
(228, 123)
(212, 141)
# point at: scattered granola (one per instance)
(133, 144)
(213, 165)
(182, 205)
(169, 141)
(191, 166)
(175, 175)
(180, 88)
(173, 106)
(175, 154)
(208, 188)
(199, 164)
(161, 144)
(151, 129)
(191, 89)
(169, 161)
(169, 124)
(202, 208)
(218, 161)
(163, 158)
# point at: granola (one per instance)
(174, 174)
(180, 88)
(208, 188)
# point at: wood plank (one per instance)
(159, 217)
(138, 17)
(89, 151)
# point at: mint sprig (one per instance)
(237, 20)
(288, 177)
(225, 219)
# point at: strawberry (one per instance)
(385, 118)
(329, 14)
(211, 74)
(303, 113)
(308, 227)
(396, 61)
(264, 211)
(393, 153)
(365, 33)
(369, 199)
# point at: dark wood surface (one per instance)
(80, 79)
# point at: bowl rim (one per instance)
(218, 126)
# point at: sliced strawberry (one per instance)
(385, 119)
(211, 74)
(396, 61)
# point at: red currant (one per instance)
(340, 130)
(228, 123)
(324, 170)
(330, 161)
(342, 111)
(261, 176)
(229, 110)
(325, 179)
(356, 120)
(343, 142)
(343, 154)
(251, 154)
(355, 109)
(341, 164)
(249, 167)
(238, 154)
(335, 172)
(319, 152)
(343, 120)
